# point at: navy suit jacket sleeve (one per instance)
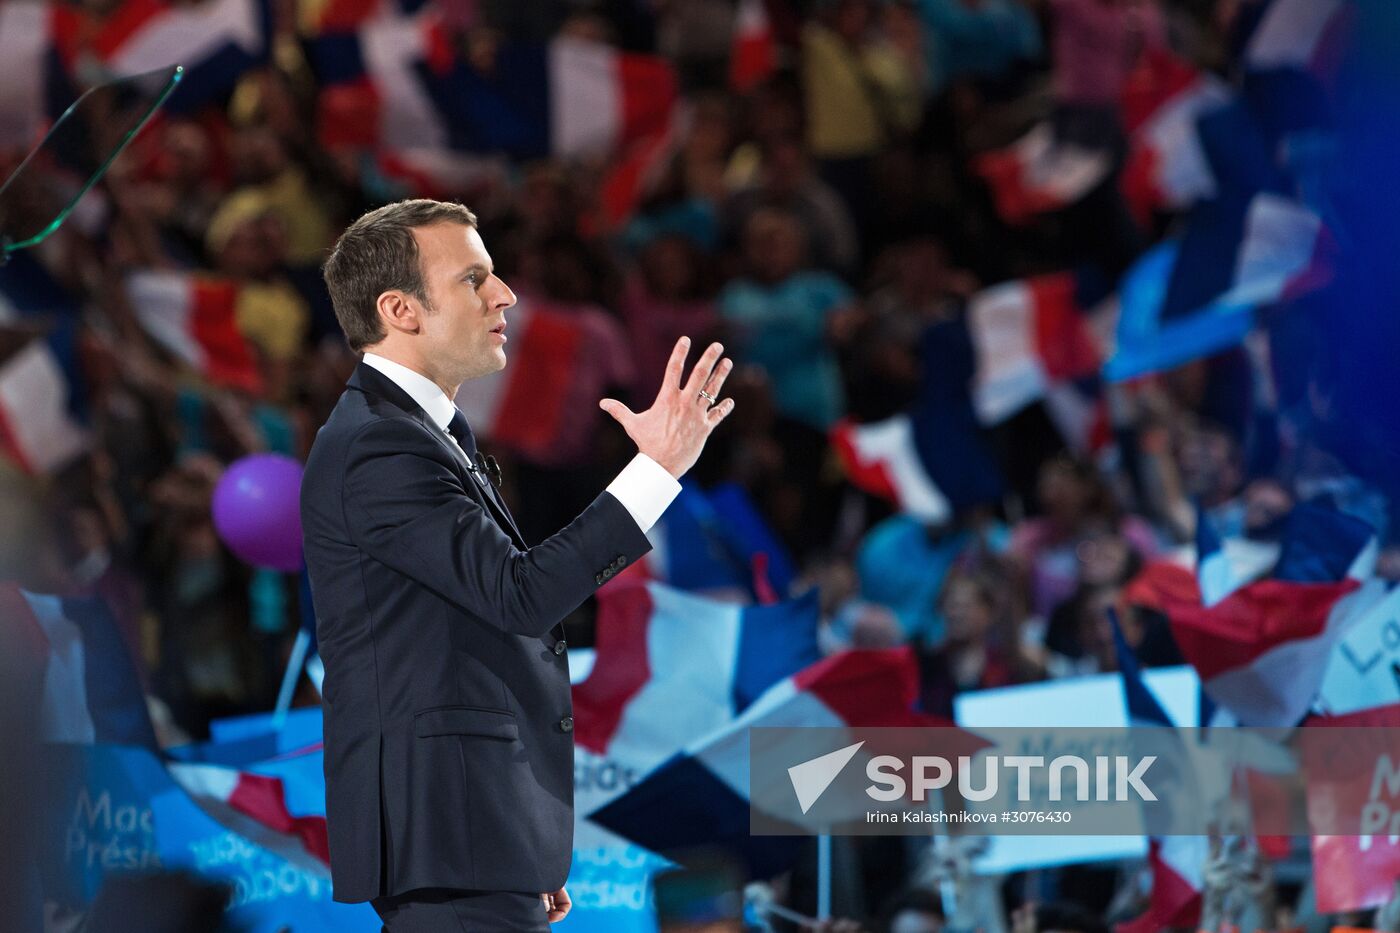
(406, 507)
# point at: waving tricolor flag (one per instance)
(1167, 167)
(90, 689)
(38, 431)
(752, 56)
(1037, 340)
(1305, 35)
(571, 97)
(931, 460)
(523, 406)
(1191, 298)
(1213, 571)
(715, 542)
(216, 41)
(1039, 174)
(700, 798)
(256, 806)
(41, 390)
(25, 43)
(116, 805)
(196, 319)
(1262, 650)
(672, 665)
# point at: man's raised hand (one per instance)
(674, 429)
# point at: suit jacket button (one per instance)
(620, 562)
(560, 646)
(566, 724)
(598, 578)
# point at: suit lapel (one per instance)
(368, 379)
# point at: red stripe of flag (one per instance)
(1159, 77)
(1066, 348)
(345, 15)
(129, 18)
(868, 475)
(1253, 620)
(751, 57)
(263, 798)
(214, 323)
(67, 26)
(1174, 902)
(870, 687)
(348, 114)
(647, 92)
(533, 400)
(1138, 183)
(10, 445)
(621, 668)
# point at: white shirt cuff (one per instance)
(645, 489)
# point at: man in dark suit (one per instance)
(449, 754)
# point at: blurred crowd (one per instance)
(817, 222)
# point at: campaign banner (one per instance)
(1364, 668)
(611, 879)
(112, 809)
(1091, 701)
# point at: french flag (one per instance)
(90, 691)
(195, 318)
(216, 41)
(1036, 339)
(932, 459)
(715, 542)
(1303, 35)
(1039, 174)
(522, 406)
(882, 459)
(1177, 862)
(98, 738)
(670, 666)
(752, 56)
(1193, 297)
(256, 806)
(1213, 571)
(42, 424)
(571, 97)
(700, 798)
(1166, 166)
(1261, 651)
(38, 431)
(25, 41)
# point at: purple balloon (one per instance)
(257, 511)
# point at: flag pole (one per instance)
(290, 676)
(824, 876)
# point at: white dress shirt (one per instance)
(643, 487)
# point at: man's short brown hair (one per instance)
(378, 253)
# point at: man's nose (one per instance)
(502, 297)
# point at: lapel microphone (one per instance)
(493, 469)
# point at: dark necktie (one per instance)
(484, 468)
(462, 432)
(487, 474)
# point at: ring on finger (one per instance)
(708, 396)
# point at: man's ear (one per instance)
(398, 311)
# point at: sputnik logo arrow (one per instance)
(811, 778)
